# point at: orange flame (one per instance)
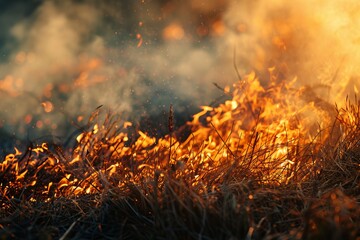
(262, 132)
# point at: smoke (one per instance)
(317, 42)
(66, 58)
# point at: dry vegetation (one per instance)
(274, 162)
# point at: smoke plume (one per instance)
(62, 59)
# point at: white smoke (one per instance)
(317, 42)
(79, 55)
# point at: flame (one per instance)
(88, 75)
(261, 132)
(268, 132)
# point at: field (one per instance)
(272, 162)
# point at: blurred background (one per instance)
(60, 60)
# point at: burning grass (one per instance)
(272, 162)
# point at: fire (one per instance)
(272, 133)
(262, 131)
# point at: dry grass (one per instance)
(159, 197)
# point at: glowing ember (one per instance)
(218, 28)
(11, 85)
(173, 32)
(80, 118)
(48, 106)
(39, 124)
(28, 119)
(139, 37)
